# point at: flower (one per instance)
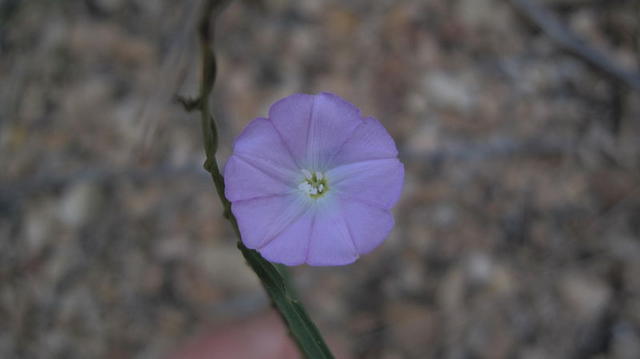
(313, 183)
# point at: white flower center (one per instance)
(314, 184)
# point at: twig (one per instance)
(573, 44)
(301, 328)
(492, 149)
(447, 151)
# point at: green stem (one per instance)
(300, 326)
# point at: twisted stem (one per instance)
(293, 314)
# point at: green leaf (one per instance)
(300, 325)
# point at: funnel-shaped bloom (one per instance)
(314, 183)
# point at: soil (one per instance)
(517, 235)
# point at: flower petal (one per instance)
(260, 140)
(376, 182)
(246, 179)
(263, 219)
(368, 225)
(290, 246)
(369, 141)
(290, 117)
(317, 133)
(330, 243)
(314, 127)
(333, 121)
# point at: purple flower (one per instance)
(314, 183)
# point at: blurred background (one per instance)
(517, 235)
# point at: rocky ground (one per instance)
(517, 236)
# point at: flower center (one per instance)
(314, 184)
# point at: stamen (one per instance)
(314, 184)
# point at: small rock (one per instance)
(449, 92)
(39, 222)
(480, 268)
(585, 295)
(445, 215)
(424, 139)
(451, 292)
(411, 278)
(78, 204)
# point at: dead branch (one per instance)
(573, 44)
